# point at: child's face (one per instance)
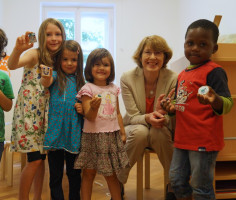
(199, 45)
(69, 61)
(101, 71)
(53, 38)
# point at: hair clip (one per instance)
(78, 51)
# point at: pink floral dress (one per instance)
(30, 117)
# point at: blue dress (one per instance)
(64, 123)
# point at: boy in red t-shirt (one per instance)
(199, 123)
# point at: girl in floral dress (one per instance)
(102, 150)
(31, 108)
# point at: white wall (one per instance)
(135, 19)
(191, 10)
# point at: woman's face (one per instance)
(151, 60)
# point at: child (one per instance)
(102, 149)
(31, 109)
(199, 124)
(6, 92)
(62, 138)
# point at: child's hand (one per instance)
(46, 72)
(22, 42)
(207, 98)
(123, 137)
(95, 103)
(79, 108)
(162, 102)
(213, 99)
(46, 79)
(167, 105)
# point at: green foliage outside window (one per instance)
(93, 37)
(69, 26)
(90, 39)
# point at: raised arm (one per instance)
(29, 59)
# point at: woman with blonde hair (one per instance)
(146, 124)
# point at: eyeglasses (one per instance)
(152, 53)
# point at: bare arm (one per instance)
(5, 103)
(120, 121)
(29, 59)
(79, 108)
(90, 107)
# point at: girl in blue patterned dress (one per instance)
(62, 138)
(31, 109)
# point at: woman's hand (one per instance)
(155, 119)
(79, 108)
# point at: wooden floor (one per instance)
(100, 190)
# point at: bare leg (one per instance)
(114, 187)
(87, 183)
(27, 177)
(38, 181)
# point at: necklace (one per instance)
(151, 92)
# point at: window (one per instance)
(91, 25)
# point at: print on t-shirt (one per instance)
(107, 108)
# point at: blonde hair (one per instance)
(45, 57)
(157, 43)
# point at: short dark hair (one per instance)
(207, 25)
(3, 43)
(97, 55)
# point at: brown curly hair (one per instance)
(3, 44)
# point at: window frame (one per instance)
(77, 9)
